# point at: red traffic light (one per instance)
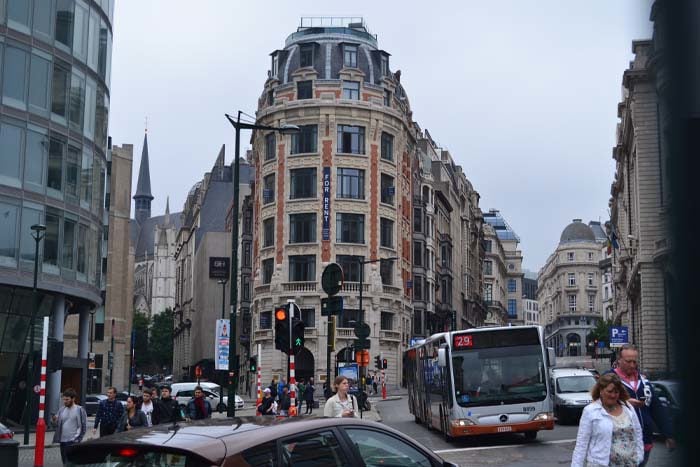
(384, 366)
(280, 314)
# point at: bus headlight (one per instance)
(462, 422)
(543, 417)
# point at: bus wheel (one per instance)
(530, 435)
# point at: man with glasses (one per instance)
(642, 398)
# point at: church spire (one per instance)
(143, 196)
(167, 210)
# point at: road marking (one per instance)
(505, 446)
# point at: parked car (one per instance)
(5, 432)
(258, 441)
(184, 392)
(92, 402)
(667, 393)
(571, 389)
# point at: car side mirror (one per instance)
(663, 399)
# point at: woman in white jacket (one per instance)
(609, 433)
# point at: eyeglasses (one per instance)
(630, 361)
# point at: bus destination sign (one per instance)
(462, 341)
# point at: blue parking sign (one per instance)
(618, 336)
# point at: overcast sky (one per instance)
(522, 93)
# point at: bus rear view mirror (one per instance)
(551, 357)
(442, 357)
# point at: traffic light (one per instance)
(384, 364)
(253, 364)
(282, 328)
(297, 334)
(378, 362)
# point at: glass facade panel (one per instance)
(69, 231)
(80, 31)
(73, 158)
(81, 260)
(14, 83)
(59, 93)
(11, 138)
(93, 40)
(42, 23)
(39, 73)
(102, 51)
(57, 149)
(64, 22)
(35, 160)
(89, 117)
(77, 102)
(30, 217)
(8, 233)
(101, 113)
(18, 14)
(51, 239)
(97, 193)
(86, 180)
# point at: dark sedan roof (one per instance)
(212, 439)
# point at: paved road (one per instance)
(552, 448)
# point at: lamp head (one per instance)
(38, 227)
(289, 129)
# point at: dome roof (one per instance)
(577, 231)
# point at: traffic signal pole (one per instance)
(292, 381)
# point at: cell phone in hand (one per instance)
(643, 398)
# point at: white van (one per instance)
(184, 392)
(571, 389)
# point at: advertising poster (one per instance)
(223, 331)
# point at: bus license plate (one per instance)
(504, 429)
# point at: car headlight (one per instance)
(543, 417)
(463, 422)
(566, 402)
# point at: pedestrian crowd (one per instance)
(276, 398)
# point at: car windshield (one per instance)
(493, 376)
(133, 457)
(568, 384)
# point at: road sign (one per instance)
(331, 306)
(332, 279)
(619, 336)
(361, 344)
(362, 330)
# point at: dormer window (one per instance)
(385, 65)
(273, 69)
(306, 55)
(350, 56)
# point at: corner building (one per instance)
(338, 191)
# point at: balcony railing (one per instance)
(310, 332)
(265, 288)
(354, 287)
(345, 333)
(261, 334)
(299, 286)
(390, 335)
(390, 289)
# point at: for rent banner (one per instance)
(223, 333)
(326, 204)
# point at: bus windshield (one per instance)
(499, 375)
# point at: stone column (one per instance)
(83, 349)
(53, 395)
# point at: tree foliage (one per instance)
(601, 332)
(161, 340)
(141, 353)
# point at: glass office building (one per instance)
(55, 59)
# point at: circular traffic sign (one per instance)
(362, 330)
(37, 389)
(332, 279)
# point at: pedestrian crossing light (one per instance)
(298, 333)
(378, 362)
(253, 364)
(384, 365)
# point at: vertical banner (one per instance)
(326, 204)
(221, 345)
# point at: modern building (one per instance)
(569, 291)
(640, 207)
(338, 191)
(55, 60)
(531, 308)
(503, 275)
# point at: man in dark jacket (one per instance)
(109, 412)
(285, 401)
(266, 405)
(166, 410)
(198, 407)
(642, 398)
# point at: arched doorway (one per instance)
(304, 364)
(573, 344)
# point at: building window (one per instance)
(570, 256)
(418, 322)
(488, 293)
(302, 268)
(571, 279)
(572, 302)
(269, 189)
(590, 256)
(384, 63)
(590, 278)
(351, 183)
(388, 189)
(303, 183)
(308, 316)
(246, 288)
(512, 285)
(271, 97)
(351, 266)
(417, 253)
(488, 268)
(387, 98)
(305, 140)
(351, 139)
(306, 55)
(512, 308)
(417, 220)
(350, 228)
(487, 245)
(417, 287)
(350, 56)
(446, 289)
(387, 321)
(57, 149)
(304, 90)
(52, 221)
(64, 22)
(8, 235)
(386, 271)
(268, 232)
(270, 146)
(273, 67)
(591, 302)
(351, 90)
(387, 146)
(606, 292)
(349, 317)
(302, 228)
(247, 258)
(268, 267)
(386, 236)
(266, 319)
(59, 92)
(69, 232)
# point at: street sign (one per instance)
(221, 344)
(332, 279)
(362, 330)
(619, 336)
(361, 344)
(331, 306)
(219, 267)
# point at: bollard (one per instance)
(40, 423)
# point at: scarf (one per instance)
(201, 408)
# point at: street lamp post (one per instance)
(223, 316)
(37, 234)
(91, 371)
(362, 275)
(233, 353)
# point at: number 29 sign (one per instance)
(461, 341)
